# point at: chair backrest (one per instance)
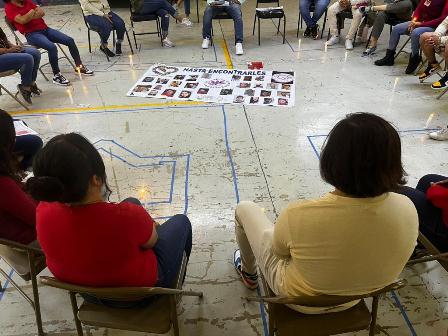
(13, 30)
(268, 1)
(112, 293)
(329, 300)
(20, 256)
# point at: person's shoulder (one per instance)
(7, 182)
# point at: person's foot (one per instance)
(414, 61)
(186, 22)
(441, 83)
(239, 48)
(35, 90)
(440, 135)
(348, 44)
(118, 51)
(315, 32)
(26, 93)
(60, 80)
(167, 43)
(107, 51)
(369, 51)
(307, 32)
(84, 70)
(430, 70)
(387, 60)
(205, 43)
(249, 280)
(333, 40)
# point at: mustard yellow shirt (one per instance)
(342, 246)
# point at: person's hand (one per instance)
(236, 2)
(440, 182)
(433, 41)
(344, 3)
(14, 49)
(108, 17)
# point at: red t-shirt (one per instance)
(97, 244)
(12, 11)
(17, 212)
(438, 195)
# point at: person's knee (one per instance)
(242, 207)
(71, 42)
(183, 221)
(381, 17)
(27, 59)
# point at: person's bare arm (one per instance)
(39, 13)
(24, 19)
(153, 240)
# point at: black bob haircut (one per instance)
(362, 156)
(63, 169)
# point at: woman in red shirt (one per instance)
(17, 208)
(89, 241)
(430, 198)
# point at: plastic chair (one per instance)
(434, 253)
(284, 321)
(157, 317)
(89, 28)
(13, 30)
(144, 18)
(278, 14)
(27, 262)
(7, 74)
(312, 8)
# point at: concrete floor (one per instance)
(218, 155)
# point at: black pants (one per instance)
(430, 217)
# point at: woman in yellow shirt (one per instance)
(353, 240)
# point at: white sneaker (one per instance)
(167, 43)
(205, 43)
(333, 40)
(186, 22)
(440, 135)
(239, 48)
(348, 44)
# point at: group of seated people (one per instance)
(355, 239)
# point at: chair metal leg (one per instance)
(372, 328)
(442, 94)
(88, 38)
(113, 38)
(66, 56)
(255, 20)
(31, 258)
(271, 321)
(368, 40)
(197, 9)
(401, 49)
(259, 38)
(129, 41)
(75, 313)
(133, 33)
(298, 24)
(173, 313)
(278, 26)
(14, 97)
(323, 26)
(43, 75)
(284, 29)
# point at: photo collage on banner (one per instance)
(226, 86)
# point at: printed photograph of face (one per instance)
(265, 93)
(142, 88)
(162, 81)
(283, 101)
(185, 94)
(168, 93)
(226, 92)
(148, 79)
(203, 91)
(191, 85)
(179, 77)
(267, 101)
(238, 99)
(254, 100)
(283, 94)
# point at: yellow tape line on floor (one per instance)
(110, 107)
(226, 54)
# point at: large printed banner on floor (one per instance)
(249, 87)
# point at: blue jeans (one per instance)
(27, 146)
(161, 8)
(47, 38)
(402, 29)
(430, 217)
(104, 27)
(319, 10)
(27, 62)
(187, 6)
(234, 10)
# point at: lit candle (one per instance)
(326, 46)
(397, 79)
(429, 120)
(346, 56)
(300, 43)
(70, 96)
(131, 61)
(78, 69)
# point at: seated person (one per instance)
(164, 10)
(440, 135)
(312, 28)
(231, 7)
(27, 18)
(350, 241)
(26, 147)
(433, 43)
(26, 60)
(430, 197)
(186, 7)
(427, 16)
(17, 208)
(121, 244)
(378, 15)
(335, 9)
(99, 16)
